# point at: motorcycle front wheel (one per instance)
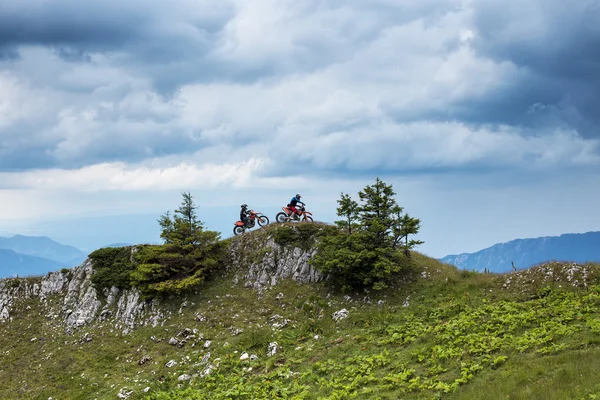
(263, 220)
(308, 219)
(281, 217)
(238, 230)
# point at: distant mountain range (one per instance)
(44, 247)
(35, 255)
(13, 264)
(578, 247)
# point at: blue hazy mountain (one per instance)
(15, 264)
(578, 247)
(43, 247)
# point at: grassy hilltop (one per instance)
(434, 333)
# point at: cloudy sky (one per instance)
(483, 114)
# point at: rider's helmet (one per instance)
(244, 205)
(298, 196)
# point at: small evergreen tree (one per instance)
(367, 251)
(348, 209)
(188, 256)
(184, 226)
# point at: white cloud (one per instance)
(123, 177)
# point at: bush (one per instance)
(112, 266)
(169, 268)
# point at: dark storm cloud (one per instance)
(107, 24)
(558, 42)
(67, 23)
(143, 31)
(114, 76)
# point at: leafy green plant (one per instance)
(112, 266)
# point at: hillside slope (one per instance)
(270, 327)
(577, 247)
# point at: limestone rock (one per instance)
(277, 263)
(341, 314)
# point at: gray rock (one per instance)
(205, 358)
(144, 360)
(278, 263)
(123, 394)
(184, 377)
(272, 350)
(4, 315)
(341, 314)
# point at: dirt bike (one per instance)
(253, 218)
(286, 215)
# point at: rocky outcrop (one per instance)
(70, 297)
(273, 264)
(78, 301)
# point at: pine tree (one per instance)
(367, 251)
(348, 209)
(377, 213)
(189, 255)
(183, 228)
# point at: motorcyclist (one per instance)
(244, 214)
(292, 206)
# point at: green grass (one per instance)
(440, 333)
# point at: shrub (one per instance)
(112, 266)
(171, 268)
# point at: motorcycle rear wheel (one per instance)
(238, 230)
(281, 217)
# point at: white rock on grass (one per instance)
(273, 347)
(341, 314)
(406, 302)
(244, 356)
(123, 394)
(184, 377)
(171, 363)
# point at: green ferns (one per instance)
(416, 353)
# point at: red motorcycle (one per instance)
(289, 215)
(253, 218)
